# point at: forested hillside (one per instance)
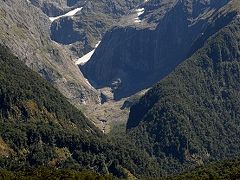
(192, 117)
(228, 169)
(50, 173)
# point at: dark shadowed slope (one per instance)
(134, 57)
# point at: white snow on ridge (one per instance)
(87, 56)
(139, 13)
(69, 14)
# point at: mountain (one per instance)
(79, 27)
(191, 117)
(50, 36)
(39, 127)
(25, 30)
(148, 44)
(173, 63)
(81, 32)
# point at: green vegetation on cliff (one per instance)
(193, 116)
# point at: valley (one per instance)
(131, 89)
(108, 111)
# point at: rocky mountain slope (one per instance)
(148, 47)
(79, 26)
(191, 117)
(83, 31)
(56, 7)
(25, 30)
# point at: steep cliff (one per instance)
(134, 57)
(82, 32)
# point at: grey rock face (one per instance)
(82, 32)
(140, 56)
(56, 7)
(25, 30)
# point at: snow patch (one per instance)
(69, 14)
(139, 13)
(87, 56)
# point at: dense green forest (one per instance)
(53, 174)
(192, 117)
(38, 127)
(228, 169)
